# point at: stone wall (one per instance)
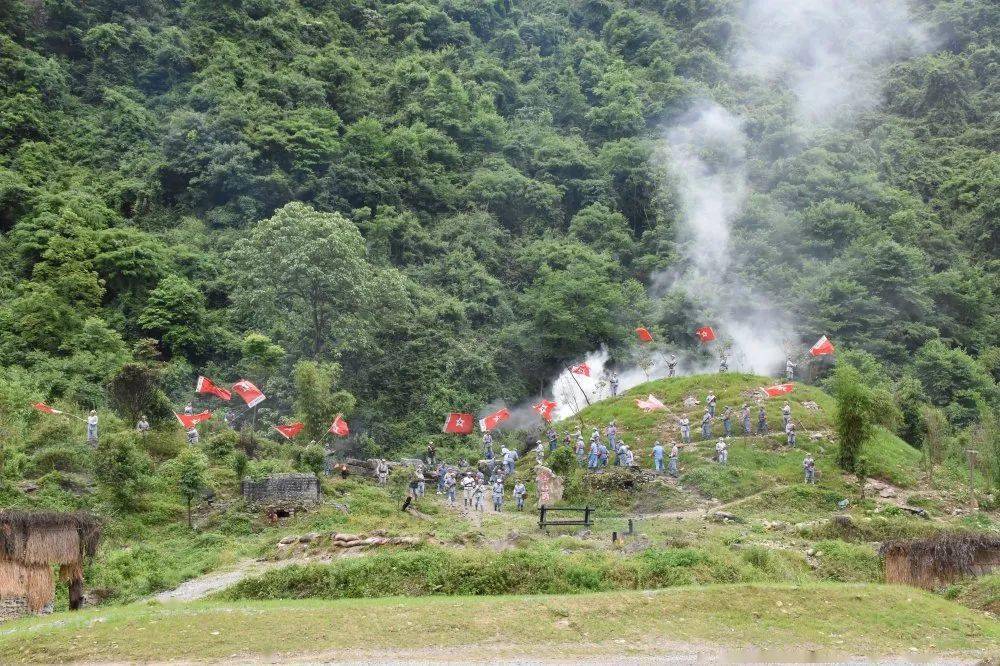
(282, 489)
(13, 608)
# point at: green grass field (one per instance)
(844, 619)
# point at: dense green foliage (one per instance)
(449, 199)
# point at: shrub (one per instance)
(222, 444)
(123, 469)
(848, 563)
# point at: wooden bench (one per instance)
(544, 522)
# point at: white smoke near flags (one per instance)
(572, 391)
(827, 54)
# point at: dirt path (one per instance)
(202, 586)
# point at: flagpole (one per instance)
(577, 385)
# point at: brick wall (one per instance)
(282, 488)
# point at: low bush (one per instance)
(848, 563)
(428, 571)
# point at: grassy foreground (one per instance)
(865, 620)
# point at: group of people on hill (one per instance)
(474, 485)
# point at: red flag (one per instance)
(191, 420)
(778, 389)
(42, 407)
(205, 385)
(339, 427)
(251, 395)
(823, 347)
(580, 369)
(544, 409)
(291, 430)
(491, 421)
(644, 334)
(458, 423)
(649, 404)
(705, 334)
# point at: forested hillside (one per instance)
(443, 202)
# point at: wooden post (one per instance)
(631, 527)
(586, 516)
(541, 517)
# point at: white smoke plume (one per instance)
(826, 52)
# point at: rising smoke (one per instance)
(827, 54)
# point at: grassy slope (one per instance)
(870, 620)
(755, 464)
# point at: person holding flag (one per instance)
(823, 347)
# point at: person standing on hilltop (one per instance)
(595, 453)
(92, 427)
(520, 491)
(468, 483)
(789, 370)
(809, 467)
(721, 451)
(478, 496)
(761, 421)
(449, 487)
(657, 456)
(488, 445)
(706, 424)
(674, 455)
(612, 432)
(745, 418)
(553, 438)
(685, 424)
(727, 421)
(672, 365)
(710, 403)
(613, 383)
(498, 495)
(790, 433)
(786, 414)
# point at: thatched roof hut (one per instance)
(31, 543)
(941, 559)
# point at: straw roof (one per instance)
(48, 537)
(943, 554)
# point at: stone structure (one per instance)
(13, 608)
(283, 490)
